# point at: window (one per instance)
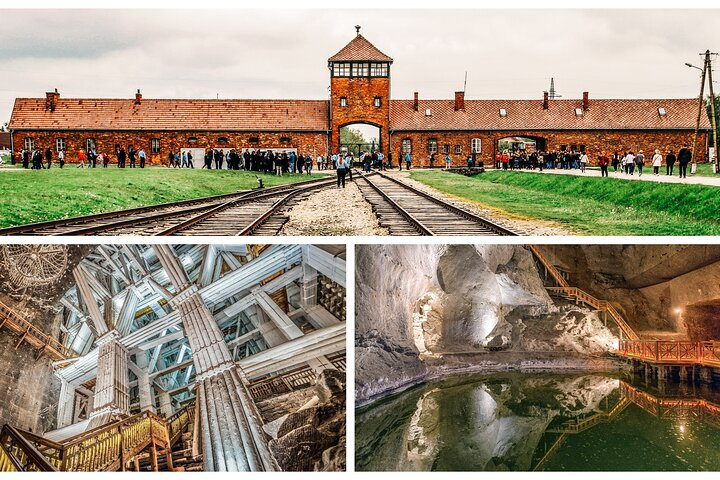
(432, 145)
(578, 112)
(343, 101)
(573, 148)
(222, 141)
(406, 145)
(563, 148)
(428, 112)
(458, 149)
(378, 69)
(254, 140)
(341, 69)
(91, 145)
(446, 149)
(475, 145)
(377, 102)
(360, 70)
(503, 112)
(60, 144)
(155, 145)
(29, 144)
(284, 139)
(661, 111)
(192, 140)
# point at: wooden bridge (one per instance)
(14, 321)
(672, 352)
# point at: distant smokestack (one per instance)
(459, 100)
(416, 102)
(546, 102)
(586, 101)
(138, 97)
(51, 99)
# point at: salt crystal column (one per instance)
(233, 439)
(65, 404)
(145, 389)
(112, 397)
(308, 297)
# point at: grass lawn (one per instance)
(703, 170)
(29, 196)
(590, 206)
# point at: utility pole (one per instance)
(713, 118)
(706, 71)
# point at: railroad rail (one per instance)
(406, 210)
(151, 219)
(672, 352)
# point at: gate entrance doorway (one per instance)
(357, 138)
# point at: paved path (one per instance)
(646, 176)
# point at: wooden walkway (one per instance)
(672, 352)
(14, 321)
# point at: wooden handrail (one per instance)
(18, 454)
(603, 305)
(33, 335)
(108, 447)
(557, 276)
(673, 352)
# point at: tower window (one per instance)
(341, 70)
(458, 149)
(475, 145)
(378, 69)
(29, 143)
(155, 146)
(60, 144)
(432, 145)
(377, 102)
(360, 70)
(343, 101)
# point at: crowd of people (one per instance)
(627, 162)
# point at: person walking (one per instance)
(308, 165)
(341, 172)
(448, 160)
(48, 158)
(583, 162)
(656, 162)
(81, 158)
(25, 155)
(603, 161)
(142, 157)
(184, 160)
(132, 155)
(61, 158)
(408, 160)
(630, 163)
(640, 162)
(176, 159)
(670, 162)
(615, 161)
(432, 160)
(684, 157)
(348, 161)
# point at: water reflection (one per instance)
(524, 422)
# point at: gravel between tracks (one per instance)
(333, 211)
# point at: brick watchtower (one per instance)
(360, 89)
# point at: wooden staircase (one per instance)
(563, 289)
(118, 446)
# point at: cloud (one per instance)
(276, 53)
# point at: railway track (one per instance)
(228, 214)
(405, 210)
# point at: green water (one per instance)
(522, 422)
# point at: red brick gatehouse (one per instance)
(359, 94)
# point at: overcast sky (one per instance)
(283, 53)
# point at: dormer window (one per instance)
(578, 112)
(428, 112)
(503, 112)
(661, 111)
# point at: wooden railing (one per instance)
(673, 408)
(549, 267)
(31, 334)
(295, 379)
(603, 305)
(673, 352)
(106, 448)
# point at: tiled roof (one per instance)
(360, 49)
(170, 114)
(529, 115)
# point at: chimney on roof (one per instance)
(546, 102)
(138, 97)
(416, 102)
(459, 100)
(51, 99)
(586, 101)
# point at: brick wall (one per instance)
(305, 142)
(360, 94)
(595, 141)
